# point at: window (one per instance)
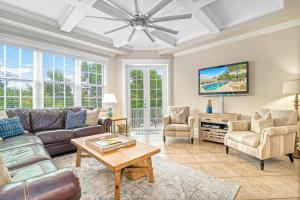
(16, 77)
(91, 84)
(58, 78)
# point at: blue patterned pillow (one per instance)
(11, 127)
(75, 120)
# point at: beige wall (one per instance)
(273, 58)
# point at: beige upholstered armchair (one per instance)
(178, 123)
(270, 142)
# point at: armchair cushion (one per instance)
(178, 116)
(258, 123)
(177, 127)
(239, 125)
(237, 136)
(251, 140)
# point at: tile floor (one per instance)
(279, 180)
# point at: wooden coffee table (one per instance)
(119, 159)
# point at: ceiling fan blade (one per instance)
(158, 7)
(146, 31)
(108, 18)
(117, 29)
(116, 4)
(131, 35)
(137, 4)
(110, 10)
(163, 29)
(170, 18)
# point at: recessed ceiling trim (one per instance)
(263, 31)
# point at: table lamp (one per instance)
(293, 87)
(109, 99)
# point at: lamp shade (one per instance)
(109, 98)
(291, 87)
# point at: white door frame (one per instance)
(145, 62)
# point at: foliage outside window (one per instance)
(16, 77)
(91, 84)
(58, 77)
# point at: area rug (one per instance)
(172, 182)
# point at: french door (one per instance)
(146, 95)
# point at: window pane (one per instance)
(26, 89)
(2, 61)
(27, 102)
(69, 69)
(27, 64)
(12, 102)
(12, 89)
(47, 67)
(12, 62)
(58, 68)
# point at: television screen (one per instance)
(224, 79)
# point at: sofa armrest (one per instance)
(243, 125)
(59, 185)
(106, 123)
(166, 120)
(191, 121)
(279, 130)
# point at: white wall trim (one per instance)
(241, 37)
(143, 62)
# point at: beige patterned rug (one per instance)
(172, 182)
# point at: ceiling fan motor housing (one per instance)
(139, 22)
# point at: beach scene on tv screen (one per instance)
(227, 78)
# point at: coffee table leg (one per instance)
(150, 170)
(78, 157)
(118, 179)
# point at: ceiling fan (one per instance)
(138, 21)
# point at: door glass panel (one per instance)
(137, 98)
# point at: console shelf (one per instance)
(213, 127)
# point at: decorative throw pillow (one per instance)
(92, 117)
(11, 127)
(258, 123)
(75, 120)
(4, 174)
(3, 114)
(178, 116)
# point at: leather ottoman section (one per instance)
(55, 136)
(19, 141)
(88, 130)
(60, 148)
(23, 156)
(36, 169)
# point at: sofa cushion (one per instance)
(251, 140)
(54, 136)
(11, 127)
(24, 116)
(3, 114)
(88, 130)
(258, 123)
(178, 116)
(36, 169)
(177, 127)
(92, 117)
(75, 120)
(238, 135)
(22, 156)
(19, 141)
(47, 119)
(73, 109)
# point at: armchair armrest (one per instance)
(243, 125)
(166, 120)
(59, 185)
(279, 130)
(191, 121)
(105, 122)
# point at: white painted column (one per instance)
(77, 83)
(38, 89)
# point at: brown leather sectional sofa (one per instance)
(27, 157)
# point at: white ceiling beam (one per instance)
(202, 3)
(165, 38)
(197, 13)
(74, 14)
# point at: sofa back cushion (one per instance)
(24, 116)
(75, 120)
(282, 117)
(47, 119)
(3, 114)
(10, 127)
(92, 117)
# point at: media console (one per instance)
(213, 127)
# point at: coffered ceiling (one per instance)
(208, 17)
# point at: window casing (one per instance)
(91, 84)
(16, 77)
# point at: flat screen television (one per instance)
(228, 79)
